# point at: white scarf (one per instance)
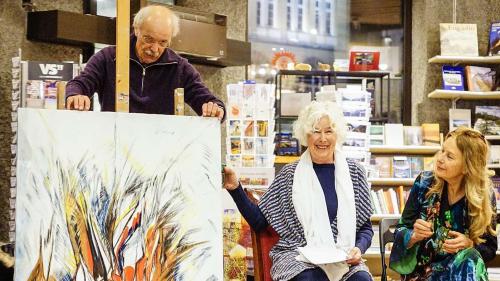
(310, 205)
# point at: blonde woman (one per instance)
(448, 229)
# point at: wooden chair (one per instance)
(386, 235)
(262, 242)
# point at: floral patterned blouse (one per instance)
(426, 260)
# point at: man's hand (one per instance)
(354, 257)
(78, 102)
(458, 242)
(230, 179)
(211, 109)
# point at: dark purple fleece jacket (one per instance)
(151, 85)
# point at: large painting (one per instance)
(118, 197)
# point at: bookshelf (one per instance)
(465, 60)
(493, 166)
(378, 217)
(391, 181)
(492, 137)
(464, 95)
(405, 149)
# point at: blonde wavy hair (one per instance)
(477, 182)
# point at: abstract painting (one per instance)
(118, 197)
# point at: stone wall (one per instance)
(427, 14)
(12, 37)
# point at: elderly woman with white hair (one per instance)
(318, 204)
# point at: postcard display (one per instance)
(16, 81)
(38, 85)
(355, 103)
(250, 152)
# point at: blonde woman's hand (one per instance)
(457, 242)
(421, 230)
(230, 179)
(354, 257)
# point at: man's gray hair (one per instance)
(143, 14)
(310, 116)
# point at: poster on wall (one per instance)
(116, 196)
(43, 83)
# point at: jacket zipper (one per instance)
(144, 70)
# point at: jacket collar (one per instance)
(168, 56)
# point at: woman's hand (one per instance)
(458, 242)
(354, 257)
(421, 230)
(230, 179)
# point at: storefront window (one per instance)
(327, 32)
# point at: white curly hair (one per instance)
(157, 10)
(310, 116)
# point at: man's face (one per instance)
(152, 40)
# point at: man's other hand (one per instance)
(211, 109)
(78, 102)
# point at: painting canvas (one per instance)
(115, 196)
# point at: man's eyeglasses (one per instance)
(150, 41)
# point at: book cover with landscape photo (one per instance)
(458, 39)
(488, 120)
(494, 40)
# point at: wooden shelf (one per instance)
(491, 137)
(391, 181)
(285, 159)
(493, 166)
(405, 149)
(374, 254)
(460, 59)
(378, 217)
(465, 95)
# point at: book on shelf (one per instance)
(412, 135)
(494, 39)
(388, 201)
(459, 117)
(416, 166)
(376, 202)
(430, 134)
(453, 78)
(393, 134)
(382, 166)
(428, 163)
(458, 39)
(382, 201)
(401, 167)
(487, 120)
(400, 192)
(496, 188)
(494, 158)
(376, 135)
(480, 79)
(394, 201)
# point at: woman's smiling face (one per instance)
(321, 142)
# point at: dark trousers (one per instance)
(317, 274)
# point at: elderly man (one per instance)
(155, 71)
